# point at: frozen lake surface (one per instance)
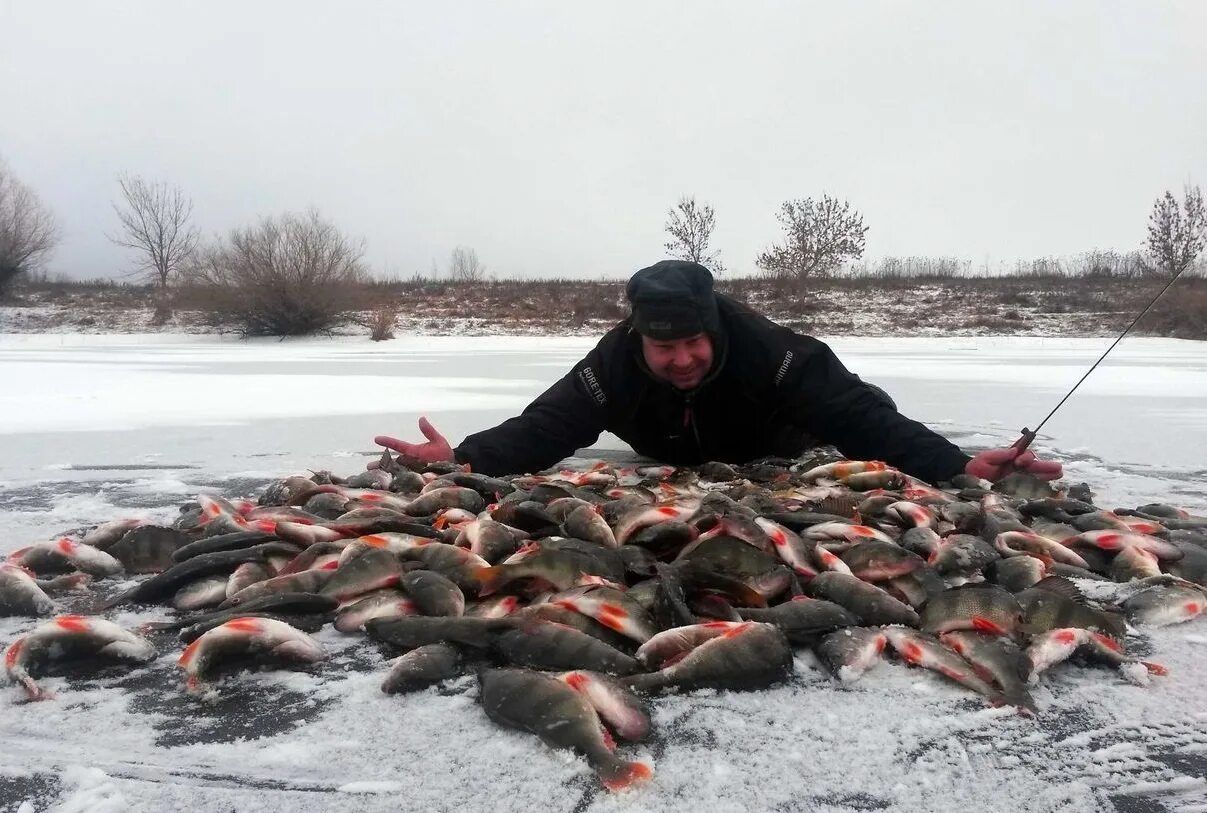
(98, 427)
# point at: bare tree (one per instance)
(463, 266)
(155, 223)
(27, 229)
(820, 235)
(288, 275)
(690, 227)
(1176, 235)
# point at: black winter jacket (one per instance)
(772, 391)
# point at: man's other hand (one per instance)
(436, 449)
(994, 464)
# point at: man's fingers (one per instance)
(999, 456)
(1046, 469)
(429, 431)
(1024, 460)
(400, 446)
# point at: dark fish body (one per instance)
(65, 555)
(610, 608)
(206, 564)
(803, 621)
(731, 556)
(995, 659)
(410, 632)
(984, 608)
(422, 667)
(71, 637)
(450, 497)
(247, 574)
(850, 652)
(277, 604)
(21, 595)
(1017, 573)
(491, 540)
(456, 564)
(432, 593)
(572, 618)
(307, 581)
(223, 542)
(148, 548)
(963, 554)
(1193, 565)
(372, 570)
(584, 522)
(1027, 486)
(107, 534)
(1166, 604)
(1055, 603)
(553, 646)
(663, 539)
(922, 649)
(305, 622)
(748, 656)
(558, 569)
(867, 602)
(876, 561)
(246, 636)
(558, 714)
(208, 591)
(386, 603)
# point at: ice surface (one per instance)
(99, 427)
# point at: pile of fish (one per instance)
(578, 594)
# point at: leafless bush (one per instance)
(1176, 236)
(27, 230)
(819, 236)
(690, 227)
(463, 266)
(381, 323)
(289, 275)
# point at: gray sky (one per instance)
(553, 136)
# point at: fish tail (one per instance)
(625, 774)
(489, 578)
(1021, 699)
(1155, 668)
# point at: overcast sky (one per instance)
(552, 137)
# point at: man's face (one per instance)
(682, 362)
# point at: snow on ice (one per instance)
(103, 426)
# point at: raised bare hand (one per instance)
(436, 449)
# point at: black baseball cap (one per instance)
(673, 299)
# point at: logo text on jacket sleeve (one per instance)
(779, 376)
(587, 376)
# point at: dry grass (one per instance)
(1083, 305)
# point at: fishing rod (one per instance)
(1028, 435)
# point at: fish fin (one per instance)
(1113, 624)
(1061, 586)
(982, 624)
(624, 774)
